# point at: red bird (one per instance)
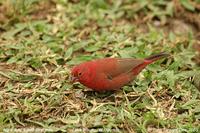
(111, 73)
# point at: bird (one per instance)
(109, 74)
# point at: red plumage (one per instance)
(111, 73)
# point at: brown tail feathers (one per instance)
(157, 56)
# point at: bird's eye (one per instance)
(79, 74)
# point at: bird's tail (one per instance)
(149, 60)
(158, 56)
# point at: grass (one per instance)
(41, 40)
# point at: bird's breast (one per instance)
(97, 83)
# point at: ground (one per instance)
(40, 41)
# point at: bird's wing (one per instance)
(128, 64)
(113, 67)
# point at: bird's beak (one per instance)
(73, 79)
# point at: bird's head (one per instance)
(81, 73)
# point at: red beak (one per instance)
(73, 79)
